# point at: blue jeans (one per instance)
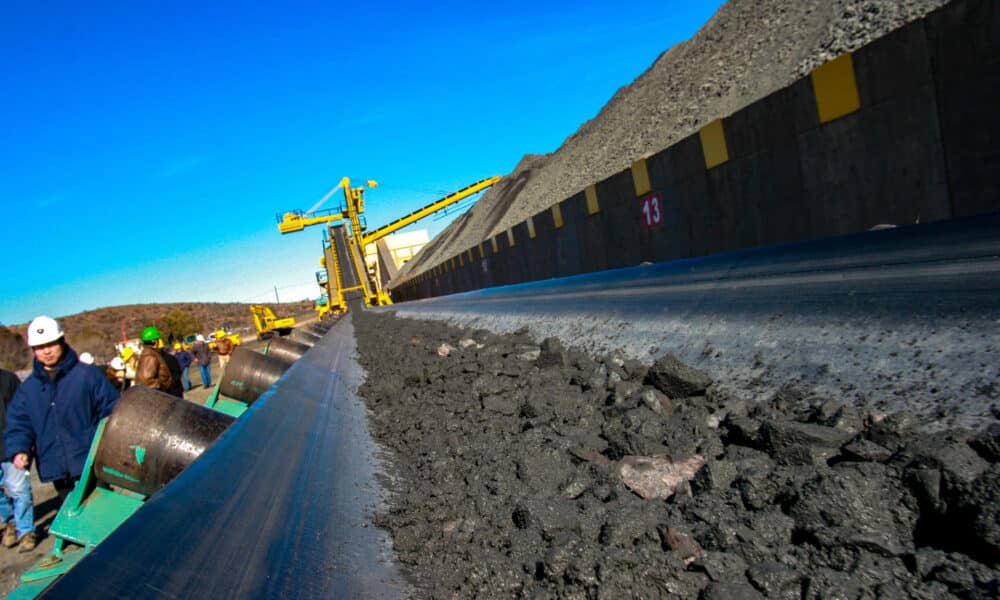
(206, 375)
(16, 498)
(186, 378)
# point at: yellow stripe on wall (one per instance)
(510, 238)
(496, 247)
(713, 144)
(836, 88)
(557, 221)
(593, 206)
(640, 177)
(531, 227)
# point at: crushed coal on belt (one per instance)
(525, 469)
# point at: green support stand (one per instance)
(226, 405)
(89, 514)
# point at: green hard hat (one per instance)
(150, 334)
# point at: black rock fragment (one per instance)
(676, 379)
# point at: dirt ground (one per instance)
(527, 470)
(13, 562)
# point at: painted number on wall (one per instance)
(652, 210)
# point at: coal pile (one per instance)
(747, 50)
(531, 470)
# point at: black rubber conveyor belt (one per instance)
(280, 507)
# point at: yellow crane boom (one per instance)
(428, 210)
(294, 220)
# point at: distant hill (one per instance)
(96, 331)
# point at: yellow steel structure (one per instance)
(333, 278)
(296, 221)
(352, 231)
(430, 209)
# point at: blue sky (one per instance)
(147, 146)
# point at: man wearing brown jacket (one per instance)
(155, 369)
(224, 346)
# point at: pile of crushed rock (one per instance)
(529, 470)
(747, 50)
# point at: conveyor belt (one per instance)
(349, 277)
(280, 507)
(906, 317)
(930, 270)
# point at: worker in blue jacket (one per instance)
(184, 360)
(17, 508)
(55, 411)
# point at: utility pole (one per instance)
(276, 301)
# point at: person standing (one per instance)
(131, 360)
(55, 411)
(224, 347)
(116, 373)
(184, 359)
(157, 369)
(17, 508)
(203, 358)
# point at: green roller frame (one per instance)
(89, 514)
(225, 404)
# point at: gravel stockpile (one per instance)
(529, 470)
(749, 49)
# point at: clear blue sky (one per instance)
(146, 146)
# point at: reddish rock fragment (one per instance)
(450, 527)
(681, 543)
(658, 476)
(590, 456)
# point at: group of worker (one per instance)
(52, 415)
(129, 367)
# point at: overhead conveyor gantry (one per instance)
(344, 251)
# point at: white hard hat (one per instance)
(87, 358)
(199, 338)
(43, 330)
(117, 363)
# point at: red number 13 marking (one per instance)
(652, 212)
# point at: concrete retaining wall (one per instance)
(902, 131)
